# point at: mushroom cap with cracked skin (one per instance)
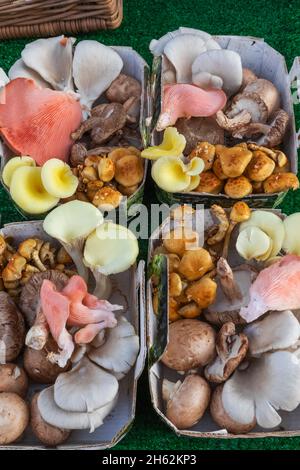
(237, 188)
(191, 345)
(209, 183)
(222, 418)
(195, 263)
(30, 294)
(38, 367)
(47, 434)
(13, 379)
(14, 417)
(189, 402)
(12, 327)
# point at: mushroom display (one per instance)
(186, 401)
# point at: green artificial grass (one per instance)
(278, 22)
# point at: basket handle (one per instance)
(140, 297)
(294, 75)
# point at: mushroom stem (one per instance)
(232, 224)
(228, 283)
(169, 388)
(37, 336)
(75, 251)
(235, 123)
(103, 286)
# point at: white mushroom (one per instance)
(71, 223)
(56, 416)
(103, 65)
(157, 45)
(85, 388)
(109, 249)
(279, 330)
(119, 351)
(218, 69)
(270, 383)
(52, 59)
(19, 69)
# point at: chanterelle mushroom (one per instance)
(270, 383)
(231, 349)
(71, 223)
(119, 351)
(186, 401)
(279, 330)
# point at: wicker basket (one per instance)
(27, 18)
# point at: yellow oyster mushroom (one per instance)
(172, 145)
(172, 175)
(195, 181)
(12, 165)
(58, 179)
(28, 191)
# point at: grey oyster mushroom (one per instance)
(231, 349)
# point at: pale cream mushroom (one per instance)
(187, 401)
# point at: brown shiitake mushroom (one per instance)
(281, 182)
(206, 152)
(195, 263)
(187, 401)
(38, 367)
(190, 310)
(237, 188)
(47, 434)
(222, 418)
(209, 183)
(181, 239)
(203, 292)
(197, 129)
(217, 169)
(234, 160)
(13, 379)
(129, 170)
(260, 167)
(12, 327)
(14, 417)
(191, 345)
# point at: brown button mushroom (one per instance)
(190, 310)
(222, 418)
(47, 434)
(206, 151)
(209, 183)
(195, 263)
(30, 295)
(13, 379)
(129, 170)
(234, 160)
(237, 188)
(231, 349)
(281, 182)
(186, 401)
(12, 327)
(260, 167)
(119, 153)
(191, 345)
(38, 367)
(14, 415)
(181, 239)
(203, 292)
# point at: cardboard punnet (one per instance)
(266, 63)
(157, 340)
(128, 289)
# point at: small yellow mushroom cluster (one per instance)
(38, 189)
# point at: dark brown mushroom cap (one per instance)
(231, 350)
(122, 88)
(189, 402)
(47, 434)
(197, 129)
(191, 345)
(12, 327)
(38, 367)
(222, 419)
(30, 295)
